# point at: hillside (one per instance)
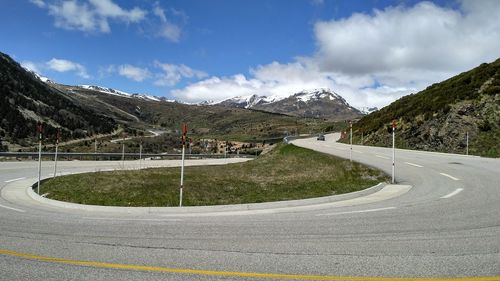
(81, 111)
(204, 120)
(26, 100)
(317, 103)
(439, 117)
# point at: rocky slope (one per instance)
(439, 117)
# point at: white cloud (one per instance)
(135, 73)
(159, 12)
(170, 32)
(106, 8)
(74, 16)
(399, 41)
(217, 89)
(89, 16)
(62, 65)
(38, 3)
(373, 59)
(173, 73)
(168, 29)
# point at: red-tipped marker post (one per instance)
(393, 149)
(58, 137)
(184, 132)
(39, 130)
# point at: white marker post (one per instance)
(182, 163)
(95, 147)
(140, 155)
(350, 151)
(58, 136)
(393, 149)
(39, 129)
(123, 150)
(467, 141)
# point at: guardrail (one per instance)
(116, 156)
(287, 139)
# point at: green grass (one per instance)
(288, 172)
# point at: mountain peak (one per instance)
(320, 93)
(317, 103)
(246, 101)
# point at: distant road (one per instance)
(447, 226)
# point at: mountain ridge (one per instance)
(314, 103)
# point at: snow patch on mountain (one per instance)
(367, 110)
(305, 96)
(115, 92)
(250, 101)
(38, 76)
(317, 94)
(105, 90)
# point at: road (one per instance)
(447, 226)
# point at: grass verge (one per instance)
(288, 172)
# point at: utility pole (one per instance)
(362, 142)
(39, 129)
(184, 129)
(58, 136)
(393, 149)
(350, 151)
(467, 142)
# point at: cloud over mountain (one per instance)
(374, 58)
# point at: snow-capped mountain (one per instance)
(111, 91)
(39, 77)
(105, 90)
(316, 103)
(249, 101)
(367, 110)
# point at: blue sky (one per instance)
(370, 52)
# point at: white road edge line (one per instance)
(12, 180)
(116, 219)
(356, 212)
(13, 209)
(451, 177)
(455, 192)
(415, 165)
(383, 157)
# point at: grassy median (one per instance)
(287, 172)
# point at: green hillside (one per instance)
(25, 100)
(439, 117)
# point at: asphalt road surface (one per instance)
(446, 227)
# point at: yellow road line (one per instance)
(231, 273)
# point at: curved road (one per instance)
(446, 227)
